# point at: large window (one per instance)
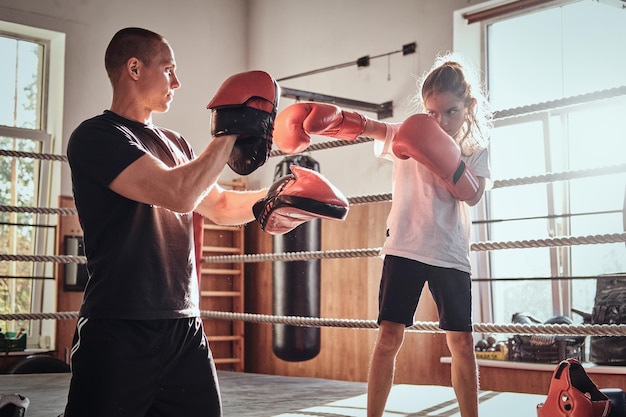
(544, 70)
(25, 181)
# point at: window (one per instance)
(553, 60)
(26, 127)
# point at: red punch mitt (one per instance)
(297, 198)
(245, 105)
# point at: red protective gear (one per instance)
(421, 138)
(296, 123)
(13, 405)
(573, 394)
(299, 197)
(245, 105)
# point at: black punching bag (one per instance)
(297, 283)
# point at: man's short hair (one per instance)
(128, 43)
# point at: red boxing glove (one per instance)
(297, 122)
(245, 105)
(421, 138)
(299, 197)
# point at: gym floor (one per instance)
(255, 395)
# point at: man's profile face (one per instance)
(158, 80)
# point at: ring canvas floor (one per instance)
(255, 395)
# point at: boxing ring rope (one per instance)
(33, 155)
(374, 198)
(547, 329)
(419, 326)
(39, 210)
(348, 253)
(561, 103)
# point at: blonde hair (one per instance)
(451, 74)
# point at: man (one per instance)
(139, 347)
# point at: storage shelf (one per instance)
(222, 289)
(232, 338)
(221, 249)
(210, 226)
(219, 361)
(590, 368)
(220, 293)
(220, 271)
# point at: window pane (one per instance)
(555, 53)
(532, 297)
(520, 72)
(8, 51)
(604, 193)
(596, 145)
(527, 296)
(550, 54)
(18, 187)
(591, 59)
(20, 83)
(596, 135)
(517, 151)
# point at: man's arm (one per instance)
(243, 107)
(229, 207)
(180, 189)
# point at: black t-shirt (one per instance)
(140, 257)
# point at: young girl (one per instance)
(440, 169)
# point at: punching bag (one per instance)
(296, 284)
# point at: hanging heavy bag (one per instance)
(573, 394)
(297, 284)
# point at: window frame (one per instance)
(471, 40)
(44, 292)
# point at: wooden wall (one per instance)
(66, 300)
(349, 290)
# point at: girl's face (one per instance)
(448, 110)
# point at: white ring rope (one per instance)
(560, 103)
(348, 253)
(550, 242)
(371, 252)
(537, 179)
(419, 326)
(63, 259)
(39, 210)
(33, 155)
(561, 176)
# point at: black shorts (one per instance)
(401, 287)
(127, 368)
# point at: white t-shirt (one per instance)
(426, 223)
